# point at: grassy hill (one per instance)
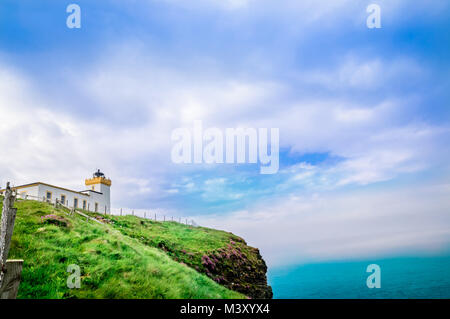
(131, 257)
(113, 264)
(222, 256)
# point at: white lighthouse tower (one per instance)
(99, 187)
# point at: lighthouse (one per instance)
(101, 185)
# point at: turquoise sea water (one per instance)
(427, 277)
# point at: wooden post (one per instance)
(145, 215)
(9, 270)
(155, 217)
(164, 217)
(121, 212)
(11, 280)
(7, 227)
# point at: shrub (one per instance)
(56, 220)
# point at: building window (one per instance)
(49, 195)
(84, 205)
(75, 203)
(63, 199)
(96, 207)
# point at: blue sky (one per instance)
(363, 114)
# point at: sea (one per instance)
(399, 278)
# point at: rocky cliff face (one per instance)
(239, 267)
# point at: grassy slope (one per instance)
(183, 243)
(221, 255)
(113, 265)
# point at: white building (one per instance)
(96, 198)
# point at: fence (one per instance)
(141, 214)
(154, 215)
(10, 270)
(56, 202)
(76, 211)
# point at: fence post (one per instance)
(10, 270)
(11, 281)
(145, 215)
(155, 217)
(121, 212)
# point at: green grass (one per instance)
(113, 264)
(185, 243)
(220, 255)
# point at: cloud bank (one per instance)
(363, 116)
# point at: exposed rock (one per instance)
(240, 268)
(56, 220)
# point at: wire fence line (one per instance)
(154, 214)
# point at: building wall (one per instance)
(56, 193)
(39, 192)
(101, 200)
(29, 192)
(105, 190)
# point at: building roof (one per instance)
(40, 183)
(90, 190)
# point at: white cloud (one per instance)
(46, 144)
(136, 102)
(365, 74)
(215, 181)
(298, 16)
(354, 224)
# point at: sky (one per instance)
(363, 115)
